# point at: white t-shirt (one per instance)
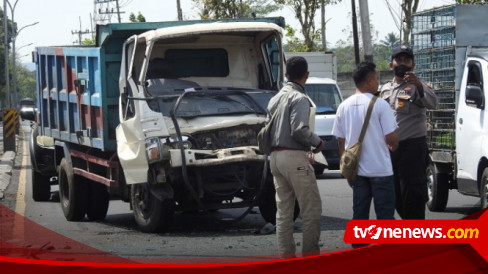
(375, 156)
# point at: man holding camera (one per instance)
(409, 97)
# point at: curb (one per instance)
(6, 166)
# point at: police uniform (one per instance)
(411, 159)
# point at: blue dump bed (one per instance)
(77, 86)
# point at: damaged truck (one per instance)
(162, 115)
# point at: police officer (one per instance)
(409, 97)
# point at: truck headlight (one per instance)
(153, 150)
(158, 149)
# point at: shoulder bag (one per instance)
(349, 163)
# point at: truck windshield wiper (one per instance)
(226, 98)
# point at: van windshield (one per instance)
(325, 96)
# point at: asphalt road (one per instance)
(195, 235)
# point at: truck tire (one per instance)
(438, 189)
(41, 187)
(151, 214)
(267, 207)
(319, 170)
(72, 193)
(484, 189)
(98, 200)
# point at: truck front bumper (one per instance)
(201, 158)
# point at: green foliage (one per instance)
(218, 9)
(26, 83)
(345, 55)
(139, 18)
(88, 42)
(10, 28)
(305, 11)
(294, 44)
(391, 40)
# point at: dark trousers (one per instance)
(410, 163)
(379, 189)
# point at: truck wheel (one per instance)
(334, 167)
(98, 200)
(41, 187)
(438, 189)
(484, 189)
(319, 170)
(151, 214)
(267, 206)
(72, 193)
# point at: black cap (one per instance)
(402, 50)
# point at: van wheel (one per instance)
(484, 189)
(41, 187)
(151, 214)
(267, 206)
(72, 193)
(98, 200)
(438, 189)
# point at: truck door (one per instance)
(469, 127)
(129, 133)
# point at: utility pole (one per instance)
(5, 36)
(322, 15)
(180, 14)
(14, 59)
(366, 30)
(108, 11)
(118, 10)
(355, 32)
(80, 33)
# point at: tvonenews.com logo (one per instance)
(467, 231)
(375, 232)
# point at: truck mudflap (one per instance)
(201, 158)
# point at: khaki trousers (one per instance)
(294, 177)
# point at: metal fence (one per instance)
(433, 42)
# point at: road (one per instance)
(194, 235)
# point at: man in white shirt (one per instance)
(375, 175)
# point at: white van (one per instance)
(326, 95)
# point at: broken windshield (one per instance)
(208, 102)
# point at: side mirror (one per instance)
(474, 97)
(28, 113)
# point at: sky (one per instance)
(57, 19)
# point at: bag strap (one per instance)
(366, 120)
(280, 105)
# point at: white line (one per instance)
(20, 201)
(19, 225)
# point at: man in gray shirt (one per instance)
(294, 177)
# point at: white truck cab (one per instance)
(326, 95)
(471, 129)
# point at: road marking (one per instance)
(20, 202)
(19, 225)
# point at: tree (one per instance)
(305, 11)
(139, 18)
(26, 83)
(10, 28)
(88, 42)
(218, 9)
(409, 7)
(294, 44)
(391, 40)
